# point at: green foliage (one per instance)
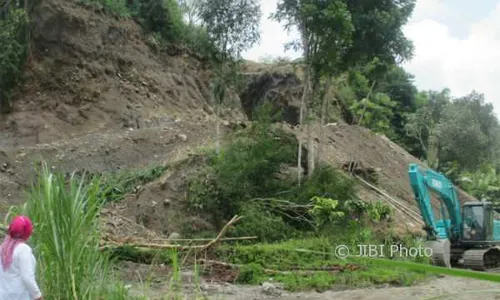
(375, 211)
(325, 211)
(161, 16)
(13, 53)
(251, 178)
(457, 134)
(66, 239)
(375, 113)
(301, 263)
(233, 25)
(115, 186)
(482, 184)
(246, 168)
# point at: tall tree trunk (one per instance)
(324, 104)
(217, 129)
(310, 140)
(433, 153)
(301, 128)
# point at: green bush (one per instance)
(251, 177)
(13, 53)
(245, 169)
(162, 16)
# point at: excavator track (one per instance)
(482, 259)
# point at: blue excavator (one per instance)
(467, 236)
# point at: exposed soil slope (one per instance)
(97, 98)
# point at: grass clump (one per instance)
(115, 186)
(66, 238)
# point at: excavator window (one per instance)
(474, 223)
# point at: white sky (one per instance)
(457, 45)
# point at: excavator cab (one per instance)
(476, 217)
(480, 222)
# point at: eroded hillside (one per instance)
(98, 98)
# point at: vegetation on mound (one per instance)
(254, 176)
(251, 177)
(115, 186)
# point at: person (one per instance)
(18, 264)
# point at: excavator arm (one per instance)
(440, 233)
(421, 181)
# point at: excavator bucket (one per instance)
(441, 252)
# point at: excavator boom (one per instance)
(421, 180)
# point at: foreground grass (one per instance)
(300, 264)
(66, 239)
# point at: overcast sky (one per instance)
(457, 45)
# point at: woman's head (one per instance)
(21, 228)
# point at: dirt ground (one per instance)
(444, 288)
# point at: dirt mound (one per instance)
(161, 206)
(381, 163)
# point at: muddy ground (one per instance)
(154, 283)
(444, 288)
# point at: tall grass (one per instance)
(66, 238)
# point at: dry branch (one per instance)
(109, 244)
(221, 233)
(242, 238)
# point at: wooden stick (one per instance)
(221, 233)
(110, 244)
(204, 240)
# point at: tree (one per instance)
(326, 29)
(422, 124)
(337, 35)
(233, 26)
(460, 132)
(379, 31)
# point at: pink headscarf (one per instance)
(20, 230)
